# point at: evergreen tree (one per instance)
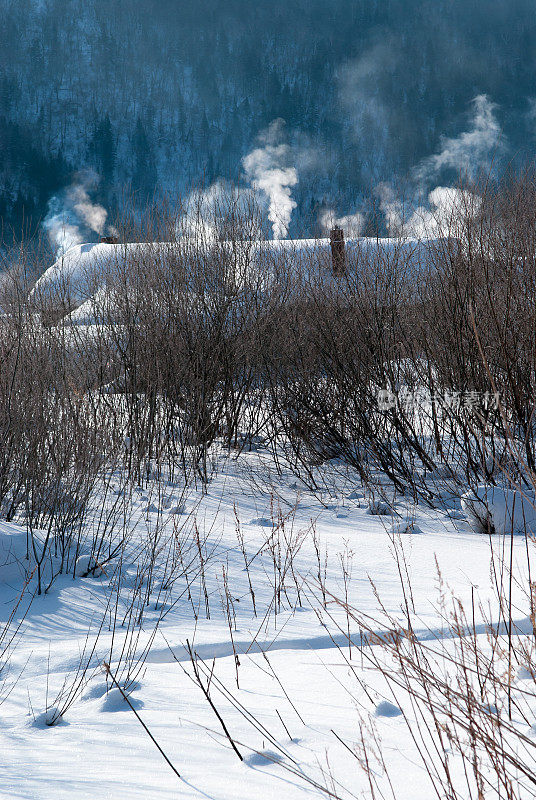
(102, 149)
(144, 175)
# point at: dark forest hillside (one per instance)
(151, 96)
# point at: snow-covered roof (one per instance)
(78, 275)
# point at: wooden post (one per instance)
(338, 250)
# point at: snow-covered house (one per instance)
(77, 279)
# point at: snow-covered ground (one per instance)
(290, 673)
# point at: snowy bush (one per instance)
(86, 566)
(405, 526)
(491, 509)
(52, 716)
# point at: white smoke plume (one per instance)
(219, 212)
(62, 234)
(352, 224)
(198, 218)
(93, 216)
(392, 209)
(446, 214)
(72, 217)
(471, 151)
(268, 171)
(449, 210)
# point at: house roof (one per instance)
(78, 275)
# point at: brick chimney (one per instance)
(108, 240)
(338, 250)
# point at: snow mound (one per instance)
(387, 709)
(379, 509)
(524, 673)
(263, 759)
(405, 526)
(47, 719)
(491, 509)
(17, 563)
(115, 702)
(177, 510)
